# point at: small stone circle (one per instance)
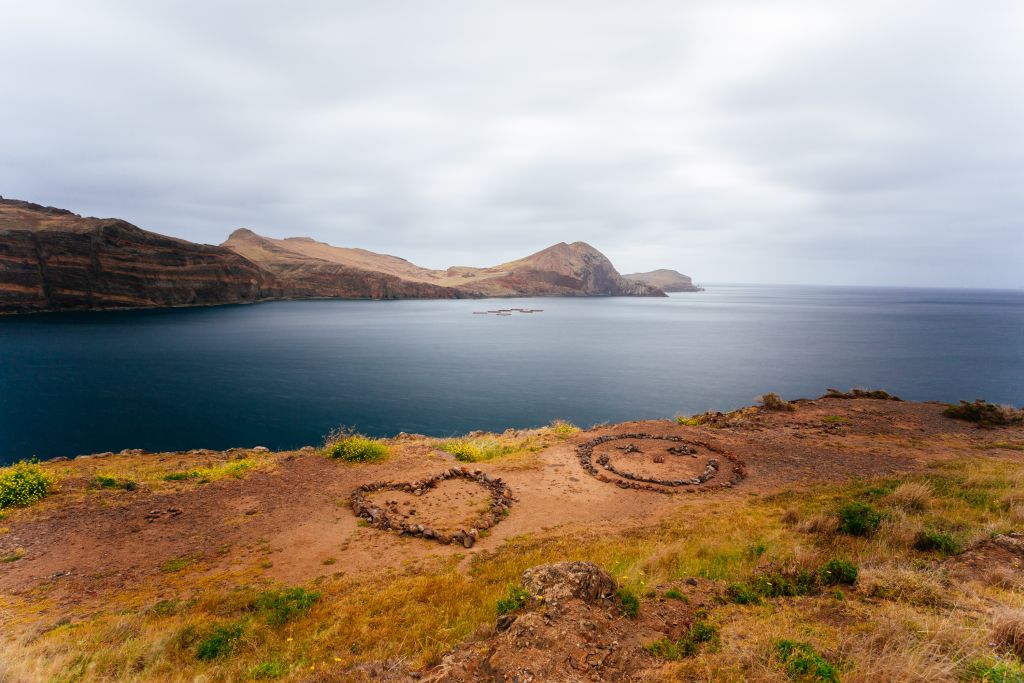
(382, 518)
(631, 480)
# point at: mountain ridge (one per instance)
(52, 259)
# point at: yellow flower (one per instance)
(289, 640)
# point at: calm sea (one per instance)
(283, 374)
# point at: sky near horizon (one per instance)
(808, 141)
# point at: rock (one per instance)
(659, 458)
(505, 621)
(564, 580)
(127, 451)
(260, 449)
(60, 458)
(691, 581)
(307, 449)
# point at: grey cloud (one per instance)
(818, 142)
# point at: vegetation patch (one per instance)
(629, 602)
(985, 414)
(281, 606)
(994, 671)
(176, 564)
(563, 428)
(106, 481)
(934, 540)
(835, 420)
(220, 641)
(700, 633)
(269, 670)
(803, 663)
(204, 475)
(515, 598)
(23, 484)
(858, 519)
(347, 446)
(772, 401)
(837, 572)
(877, 394)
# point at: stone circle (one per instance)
(686, 448)
(382, 518)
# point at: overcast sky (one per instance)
(805, 142)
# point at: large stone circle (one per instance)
(710, 478)
(382, 518)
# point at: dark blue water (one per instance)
(283, 374)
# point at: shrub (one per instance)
(675, 594)
(834, 420)
(934, 540)
(772, 401)
(858, 519)
(281, 606)
(699, 633)
(630, 603)
(861, 393)
(803, 663)
(695, 421)
(350, 447)
(176, 564)
(835, 572)
(475, 450)
(219, 642)
(563, 428)
(515, 599)
(985, 414)
(912, 496)
(24, 483)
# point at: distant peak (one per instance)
(242, 233)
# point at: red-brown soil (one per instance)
(295, 524)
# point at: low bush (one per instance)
(281, 606)
(515, 598)
(23, 484)
(861, 393)
(772, 401)
(933, 540)
(985, 414)
(104, 481)
(563, 428)
(837, 572)
(219, 642)
(694, 421)
(858, 519)
(675, 594)
(350, 447)
(630, 603)
(803, 663)
(699, 633)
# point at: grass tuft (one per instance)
(515, 599)
(985, 414)
(803, 663)
(347, 446)
(630, 603)
(858, 519)
(772, 401)
(281, 606)
(698, 634)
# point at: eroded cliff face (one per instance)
(51, 259)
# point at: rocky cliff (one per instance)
(52, 259)
(666, 280)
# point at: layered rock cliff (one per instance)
(52, 259)
(666, 280)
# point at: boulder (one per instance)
(566, 580)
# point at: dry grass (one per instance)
(912, 496)
(1008, 630)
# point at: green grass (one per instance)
(699, 633)
(268, 670)
(281, 606)
(859, 519)
(23, 484)
(176, 564)
(515, 599)
(234, 468)
(630, 603)
(835, 419)
(933, 540)
(476, 450)
(563, 428)
(676, 594)
(803, 663)
(995, 671)
(220, 641)
(356, 448)
(105, 481)
(836, 572)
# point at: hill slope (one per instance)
(52, 259)
(666, 280)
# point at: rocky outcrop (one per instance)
(666, 280)
(52, 259)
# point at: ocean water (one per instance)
(283, 374)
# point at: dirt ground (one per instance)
(293, 522)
